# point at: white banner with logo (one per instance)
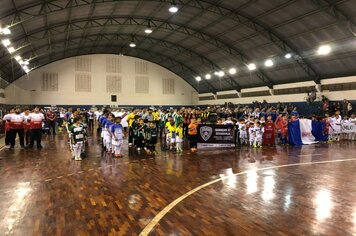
(348, 128)
(306, 131)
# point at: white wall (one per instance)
(339, 95)
(27, 89)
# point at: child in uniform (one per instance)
(171, 133)
(258, 129)
(179, 137)
(117, 137)
(108, 135)
(251, 133)
(77, 136)
(352, 136)
(151, 138)
(242, 132)
(140, 134)
(193, 135)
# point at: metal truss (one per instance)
(332, 9)
(153, 56)
(152, 41)
(159, 23)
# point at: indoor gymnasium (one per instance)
(177, 117)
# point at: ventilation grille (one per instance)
(141, 67)
(113, 65)
(141, 84)
(83, 83)
(339, 87)
(205, 98)
(49, 81)
(83, 64)
(168, 86)
(113, 84)
(293, 90)
(256, 94)
(227, 96)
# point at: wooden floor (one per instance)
(268, 191)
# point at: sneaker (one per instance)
(7, 146)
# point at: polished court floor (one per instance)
(309, 190)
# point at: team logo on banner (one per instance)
(206, 132)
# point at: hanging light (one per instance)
(132, 45)
(198, 78)
(207, 76)
(232, 71)
(27, 70)
(5, 31)
(251, 66)
(6, 42)
(18, 58)
(221, 73)
(269, 63)
(324, 50)
(11, 49)
(148, 31)
(173, 9)
(288, 56)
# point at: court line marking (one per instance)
(148, 228)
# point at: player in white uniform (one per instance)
(251, 133)
(243, 132)
(336, 125)
(258, 129)
(352, 136)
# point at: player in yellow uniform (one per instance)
(179, 138)
(170, 133)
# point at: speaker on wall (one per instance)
(113, 98)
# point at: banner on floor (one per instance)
(348, 128)
(211, 135)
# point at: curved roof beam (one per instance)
(161, 24)
(153, 41)
(151, 57)
(204, 5)
(332, 9)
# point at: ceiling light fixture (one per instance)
(173, 9)
(232, 71)
(5, 31)
(132, 45)
(251, 66)
(269, 63)
(288, 56)
(18, 58)
(198, 78)
(11, 49)
(324, 50)
(6, 42)
(221, 74)
(148, 31)
(207, 76)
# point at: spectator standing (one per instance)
(51, 118)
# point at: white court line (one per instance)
(308, 155)
(169, 207)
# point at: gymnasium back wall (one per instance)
(93, 79)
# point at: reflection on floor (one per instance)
(46, 193)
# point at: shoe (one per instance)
(39, 147)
